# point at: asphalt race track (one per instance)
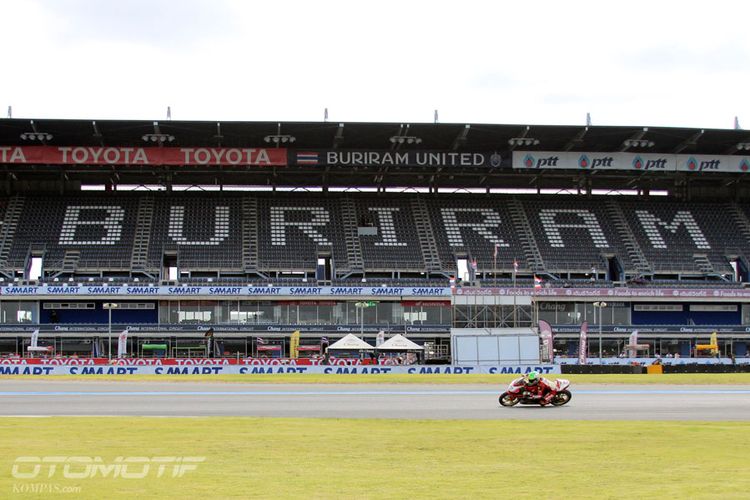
(413, 401)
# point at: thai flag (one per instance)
(324, 340)
(260, 341)
(496, 247)
(515, 266)
(307, 158)
(537, 282)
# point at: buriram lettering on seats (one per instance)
(177, 223)
(651, 224)
(113, 220)
(112, 217)
(387, 227)
(588, 222)
(491, 221)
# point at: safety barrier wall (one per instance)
(20, 369)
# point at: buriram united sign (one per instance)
(280, 157)
(271, 157)
(536, 160)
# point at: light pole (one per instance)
(109, 306)
(361, 306)
(600, 306)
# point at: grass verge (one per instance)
(290, 378)
(321, 458)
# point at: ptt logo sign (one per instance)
(699, 166)
(529, 161)
(657, 164)
(603, 161)
(744, 165)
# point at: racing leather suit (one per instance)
(544, 388)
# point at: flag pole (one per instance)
(515, 305)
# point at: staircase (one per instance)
(532, 255)
(142, 238)
(741, 223)
(426, 236)
(250, 234)
(70, 261)
(8, 230)
(636, 256)
(355, 262)
(703, 264)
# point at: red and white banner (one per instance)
(583, 343)
(546, 336)
(122, 344)
(59, 361)
(69, 155)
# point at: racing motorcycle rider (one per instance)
(536, 385)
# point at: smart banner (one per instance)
(423, 293)
(72, 155)
(641, 162)
(231, 291)
(621, 292)
(43, 370)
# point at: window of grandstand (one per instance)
(68, 305)
(657, 307)
(14, 312)
(568, 313)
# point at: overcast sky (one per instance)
(658, 63)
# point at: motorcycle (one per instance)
(518, 394)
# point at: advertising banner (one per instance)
(642, 162)
(273, 370)
(391, 158)
(50, 155)
(230, 291)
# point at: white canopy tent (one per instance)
(351, 343)
(399, 343)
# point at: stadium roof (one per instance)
(456, 137)
(359, 135)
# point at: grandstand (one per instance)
(163, 213)
(244, 236)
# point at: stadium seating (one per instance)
(681, 238)
(243, 238)
(573, 234)
(56, 225)
(395, 245)
(474, 228)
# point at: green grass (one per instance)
(321, 458)
(671, 379)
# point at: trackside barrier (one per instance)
(22, 369)
(696, 368)
(602, 369)
(681, 368)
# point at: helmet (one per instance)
(532, 377)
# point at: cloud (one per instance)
(727, 57)
(174, 25)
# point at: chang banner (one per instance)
(389, 158)
(642, 162)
